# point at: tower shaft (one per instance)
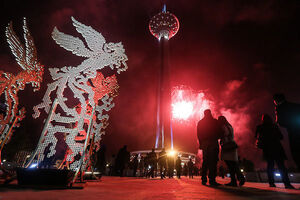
(163, 96)
(163, 26)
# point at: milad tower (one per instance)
(163, 26)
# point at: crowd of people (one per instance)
(151, 165)
(215, 135)
(268, 136)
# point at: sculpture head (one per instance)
(98, 52)
(35, 76)
(117, 56)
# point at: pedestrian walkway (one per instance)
(116, 188)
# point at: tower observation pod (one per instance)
(163, 26)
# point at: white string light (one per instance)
(71, 120)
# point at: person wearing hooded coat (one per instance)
(230, 155)
(268, 137)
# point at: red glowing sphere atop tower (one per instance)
(164, 24)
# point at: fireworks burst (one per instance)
(188, 105)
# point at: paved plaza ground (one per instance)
(116, 188)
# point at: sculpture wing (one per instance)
(94, 39)
(70, 43)
(31, 54)
(16, 46)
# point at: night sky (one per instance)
(239, 53)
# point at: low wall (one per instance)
(263, 177)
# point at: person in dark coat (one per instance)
(122, 160)
(268, 138)
(288, 116)
(190, 166)
(178, 167)
(146, 165)
(142, 166)
(135, 163)
(208, 132)
(152, 163)
(185, 170)
(162, 162)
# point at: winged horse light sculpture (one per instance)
(88, 87)
(10, 84)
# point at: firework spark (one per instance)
(188, 105)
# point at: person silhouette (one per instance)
(142, 166)
(288, 116)
(190, 166)
(122, 160)
(229, 153)
(152, 163)
(135, 163)
(208, 132)
(268, 136)
(162, 162)
(178, 167)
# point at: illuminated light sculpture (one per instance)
(10, 84)
(163, 26)
(80, 125)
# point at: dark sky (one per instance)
(238, 52)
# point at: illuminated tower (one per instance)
(163, 26)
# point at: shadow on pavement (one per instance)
(16, 187)
(256, 193)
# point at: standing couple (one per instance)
(209, 131)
